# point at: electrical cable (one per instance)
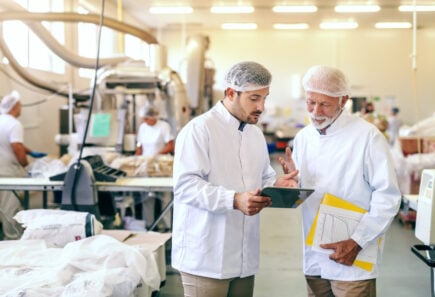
(78, 165)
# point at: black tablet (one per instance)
(286, 197)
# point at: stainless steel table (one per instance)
(122, 184)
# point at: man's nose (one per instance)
(260, 105)
(317, 110)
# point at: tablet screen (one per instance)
(286, 197)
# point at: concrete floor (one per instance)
(402, 273)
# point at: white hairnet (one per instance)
(326, 80)
(247, 76)
(9, 101)
(148, 111)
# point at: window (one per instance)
(28, 49)
(87, 43)
(136, 48)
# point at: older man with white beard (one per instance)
(345, 156)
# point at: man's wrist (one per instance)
(235, 200)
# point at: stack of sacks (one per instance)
(57, 227)
(98, 266)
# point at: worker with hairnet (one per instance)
(343, 156)
(220, 164)
(13, 160)
(153, 138)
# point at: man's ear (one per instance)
(230, 93)
(344, 100)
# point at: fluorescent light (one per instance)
(296, 26)
(239, 26)
(419, 8)
(232, 9)
(393, 25)
(357, 8)
(338, 25)
(171, 9)
(294, 8)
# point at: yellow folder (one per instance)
(336, 202)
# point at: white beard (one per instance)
(326, 120)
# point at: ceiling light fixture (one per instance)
(294, 8)
(357, 8)
(296, 26)
(239, 26)
(338, 25)
(232, 9)
(393, 25)
(418, 8)
(170, 9)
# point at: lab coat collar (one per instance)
(340, 122)
(231, 120)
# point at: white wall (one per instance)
(377, 63)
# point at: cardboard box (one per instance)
(146, 242)
(410, 145)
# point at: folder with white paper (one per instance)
(336, 220)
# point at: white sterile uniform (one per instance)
(210, 238)
(352, 161)
(11, 131)
(154, 138)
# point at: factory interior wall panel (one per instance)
(378, 63)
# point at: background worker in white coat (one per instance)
(220, 164)
(153, 138)
(13, 160)
(344, 155)
(394, 124)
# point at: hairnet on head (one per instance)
(326, 80)
(247, 76)
(9, 101)
(148, 111)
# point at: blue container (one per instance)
(271, 147)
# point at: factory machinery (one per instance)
(122, 87)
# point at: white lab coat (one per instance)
(213, 160)
(11, 131)
(352, 161)
(154, 138)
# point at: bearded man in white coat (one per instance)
(220, 164)
(342, 155)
